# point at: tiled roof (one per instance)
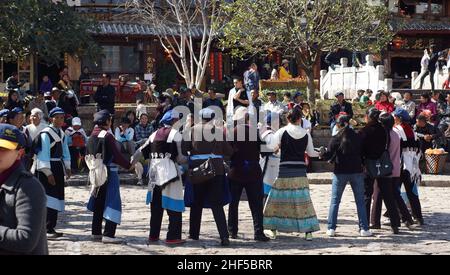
(117, 28)
(420, 25)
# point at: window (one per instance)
(420, 7)
(111, 60)
(116, 59)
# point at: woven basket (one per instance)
(435, 163)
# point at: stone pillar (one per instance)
(414, 76)
(388, 84)
(344, 62)
(323, 73)
(369, 60)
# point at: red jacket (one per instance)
(385, 106)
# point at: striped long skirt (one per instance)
(289, 207)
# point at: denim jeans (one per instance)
(338, 186)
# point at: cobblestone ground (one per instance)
(432, 238)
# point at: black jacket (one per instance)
(105, 98)
(350, 162)
(23, 214)
(337, 108)
(437, 141)
(374, 139)
(433, 60)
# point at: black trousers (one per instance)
(401, 205)
(97, 220)
(416, 208)
(212, 191)
(255, 195)
(431, 79)
(75, 154)
(52, 218)
(387, 195)
(156, 216)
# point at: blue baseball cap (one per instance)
(17, 110)
(102, 116)
(169, 116)
(56, 111)
(297, 94)
(402, 114)
(11, 137)
(4, 112)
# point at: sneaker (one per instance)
(175, 242)
(140, 182)
(365, 233)
(308, 237)
(109, 240)
(96, 238)
(233, 236)
(225, 242)
(331, 232)
(262, 238)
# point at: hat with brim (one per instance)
(297, 94)
(4, 112)
(338, 94)
(8, 144)
(10, 137)
(102, 116)
(17, 110)
(271, 93)
(285, 61)
(169, 116)
(76, 121)
(402, 114)
(56, 111)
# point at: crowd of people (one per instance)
(200, 154)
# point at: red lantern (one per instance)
(220, 66)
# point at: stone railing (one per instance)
(439, 78)
(351, 79)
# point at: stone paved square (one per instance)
(432, 238)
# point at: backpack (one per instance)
(98, 172)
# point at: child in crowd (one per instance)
(124, 135)
(77, 139)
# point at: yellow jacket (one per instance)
(284, 74)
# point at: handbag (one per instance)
(381, 167)
(204, 172)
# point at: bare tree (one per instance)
(305, 29)
(179, 24)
